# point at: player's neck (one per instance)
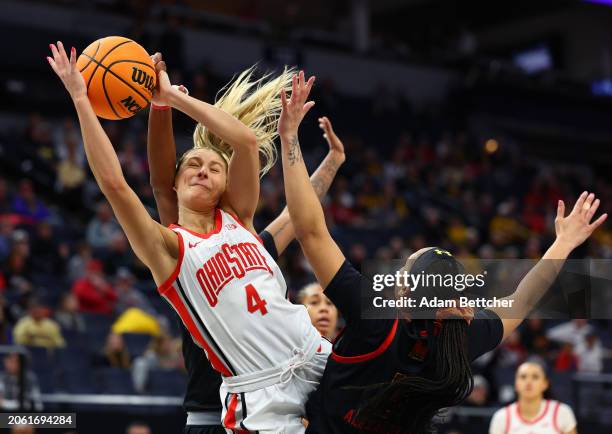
(200, 221)
(530, 408)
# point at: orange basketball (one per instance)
(119, 75)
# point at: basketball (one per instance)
(119, 75)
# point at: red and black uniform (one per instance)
(202, 395)
(373, 351)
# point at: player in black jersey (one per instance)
(202, 402)
(393, 375)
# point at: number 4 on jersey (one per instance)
(254, 302)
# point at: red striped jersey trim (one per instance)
(555, 424)
(369, 356)
(170, 280)
(216, 229)
(171, 294)
(537, 419)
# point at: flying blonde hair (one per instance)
(257, 104)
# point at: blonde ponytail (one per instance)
(256, 104)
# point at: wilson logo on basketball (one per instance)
(143, 79)
(131, 105)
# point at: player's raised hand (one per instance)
(574, 229)
(160, 66)
(67, 70)
(295, 108)
(336, 147)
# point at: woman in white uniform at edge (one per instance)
(533, 412)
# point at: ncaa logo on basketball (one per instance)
(143, 79)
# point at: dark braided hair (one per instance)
(409, 403)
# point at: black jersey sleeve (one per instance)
(344, 291)
(268, 241)
(484, 333)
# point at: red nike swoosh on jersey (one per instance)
(192, 245)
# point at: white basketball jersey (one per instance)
(550, 420)
(230, 294)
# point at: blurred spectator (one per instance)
(94, 293)
(480, 394)
(6, 322)
(70, 174)
(590, 354)
(37, 330)
(128, 295)
(9, 386)
(323, 313)
(18, 269)
(77, 264)
(67, 314)
(566, 361)
(572, 332)
(512, 351)
(27, 205)
(5, 199)
(138, 428)
(49, 256)
(6, 231)
(102, 228)
(114, 354)
(161, 354)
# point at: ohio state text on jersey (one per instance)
(230, 294)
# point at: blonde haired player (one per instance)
(532, 412)
(211, 267)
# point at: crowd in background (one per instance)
(67, 271)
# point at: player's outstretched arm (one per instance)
(304, 208)
(161, 152)
(242, 192)
(571, 232)
(155, 245)
(281, 228)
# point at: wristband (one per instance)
(160, 107)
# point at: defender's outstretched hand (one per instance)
(67, 70)
(296, 107)
(336, 147)
(163, 80)
(574, 229)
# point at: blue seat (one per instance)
(115, 381)
(166, 383)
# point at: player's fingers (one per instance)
(602, 218)
(592, 210)
(60, 48)
(54, 52)
(284, 99)
(580, 202)
(294, 86)
(160, 66)
(73, 57)
(309, 84)
(301, 79)
(587, 203)
(307, 107)
(52, 63)
(560, 209)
